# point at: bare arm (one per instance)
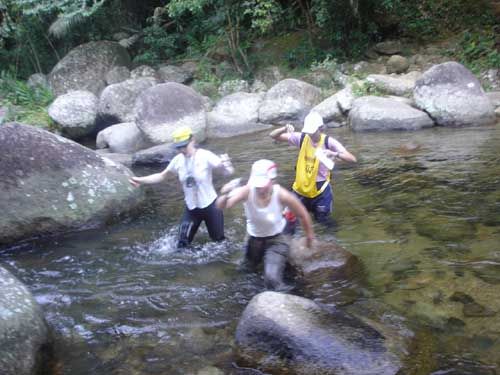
(343, 154)
(282, 134)
(150, 179)
(229, 199)
(292, 202)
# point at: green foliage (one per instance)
(27, 105)
(158, 46)
(477, 50)
(428, 19)
(262, 13)
(365, 88)
(304, 55)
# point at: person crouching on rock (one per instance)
(194, 167)
(263, 201)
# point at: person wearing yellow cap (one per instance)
(264, 201)
(194, 167)
(317, 152)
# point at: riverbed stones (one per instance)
(286, 334)
(51, 184)
(453, 96)
(163, 108)
(124, 138)
(24, 335)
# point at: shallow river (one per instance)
(421, 210)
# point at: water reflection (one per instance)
(421, 210)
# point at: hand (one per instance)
(331, 154)
(226, 162)
(134, 182)
(289, 128)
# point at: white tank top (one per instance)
(264, 221)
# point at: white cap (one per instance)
(263, 171)
(312, 123)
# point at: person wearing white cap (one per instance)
(317, 151)
(264, 201)
(194, 167)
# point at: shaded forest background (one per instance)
(35, 34)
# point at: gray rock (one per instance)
(156, 155)
(85, 67)
(376, 113)
(278, 331)
(144, 71)
(23, 331)
(453, 96)
(234, 115)
(75, 112)
(116, 103)
(124, 138)
(329, 109)
(288, 101)
(233, 86)
(51, 184)
(163, 108)
(494, 97)
(117, 74)
(397, 64)
(399, 86)
(171, 73)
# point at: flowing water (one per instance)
(421, 210)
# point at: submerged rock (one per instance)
(285, 334)
(23, 332)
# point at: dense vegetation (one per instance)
(35, 34)
(222, 35)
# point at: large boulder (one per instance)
(234, 115)
(163, 108)
(288, 101)
(24, 335)
(285, 334)
(172, 73)
(453, 96)
(51, 184)
(76, 113)
(85, 67)
(377, 113)
(116, 103)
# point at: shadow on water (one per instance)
(420, 210)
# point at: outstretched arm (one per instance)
(282, 134)
(229, 198)
(293, 203)
(150, 179)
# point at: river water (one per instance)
(421, 210)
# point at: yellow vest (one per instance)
(307, 168)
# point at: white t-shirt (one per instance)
(195, 176)
(264, 221)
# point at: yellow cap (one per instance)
(182, 136)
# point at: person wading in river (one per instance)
(194, 167)
(312, 176)
(264, 201)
